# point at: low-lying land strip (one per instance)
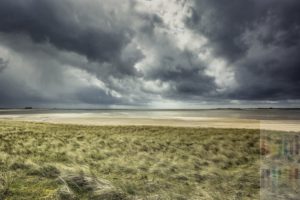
(204, 122)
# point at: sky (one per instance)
(149, 53)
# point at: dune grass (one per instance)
(48, 161)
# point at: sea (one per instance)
(258, 114)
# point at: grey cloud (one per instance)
(55, 22)
(43, 79)
(223, 23)
(260, 40)
(62, 24)
(3, 64)
(272, 73)
(184, 72)
(43, 32)
(86, 52)
(17, 93)
(14, 93)
(94, 96)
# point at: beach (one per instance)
(278, 120)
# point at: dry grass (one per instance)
(47, 161)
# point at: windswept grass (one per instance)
(47, 161)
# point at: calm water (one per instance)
(260, 114)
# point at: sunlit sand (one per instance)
(174, 121)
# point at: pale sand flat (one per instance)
(85, 119)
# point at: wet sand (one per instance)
(120, 120)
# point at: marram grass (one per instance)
(48, 161)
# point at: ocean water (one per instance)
(259, 114)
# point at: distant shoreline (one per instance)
(156, 109)
(276, 125)
(270, 119)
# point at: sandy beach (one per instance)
(121, 119)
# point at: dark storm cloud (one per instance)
(47, 88)
(40, 76)
(3, 64)
(224, 24)
(54, 22)
(32, 28)
(111, 53)
(14, 93)
(184, 72)
(61, 24)
(260, 39)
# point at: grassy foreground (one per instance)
(47, 161)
